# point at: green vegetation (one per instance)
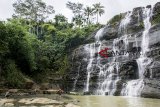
(98, 9)
(34, 48)
(85, 15)
(136, 28)
(115, 19)
(156, 19)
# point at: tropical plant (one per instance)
(78, 20)
(75, 7)
(88, 12)
(60, 19)
(34, 11)
(98, 9)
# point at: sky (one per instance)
(112, 7)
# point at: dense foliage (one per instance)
(32, 47)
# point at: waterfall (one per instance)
(143, 61)
(92, 49)
(108, 75)
(134, 87)
(124, 23)
(76, 79)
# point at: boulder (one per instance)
(71, 105)
(151, 88)
(44, 86)
(37, 100)
(50, 91)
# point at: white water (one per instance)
(76, 79)
(124, 22)
(108, 75)
(143, 61)
(92, 49)
(109, 72)
(134, 87)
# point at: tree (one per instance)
(78, 19)
(60, 19)
(16, 46)
(98, 9)
(88, 11)
(75, 7)
(35, 10)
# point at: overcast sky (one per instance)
(112, 7)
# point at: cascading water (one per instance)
(143, 61)
(124, 23)
(131, 68)
(134, 87)
(108, 75)
(76, 79)
(92, 49)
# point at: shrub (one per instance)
(14, 78)
(115, 19)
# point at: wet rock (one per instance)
(8, 105)
(148, 6)
(87, 93)
(106, 93)
(129, 70)
(6, 102)
(39, 101)
(136, 22)
(155, 70)
(125, 68)
(151, 88)
(110, 33)
(50, 91)
(46, 106)
(156, 13)
(73, 93)
(71, 105)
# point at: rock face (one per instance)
(133, 62)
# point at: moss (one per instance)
(155, 19)
(115, 19)
(136, 28)
(141, 25)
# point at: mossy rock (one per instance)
(115, 19)
(156, 14)
(155, 19)
(135, 28)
